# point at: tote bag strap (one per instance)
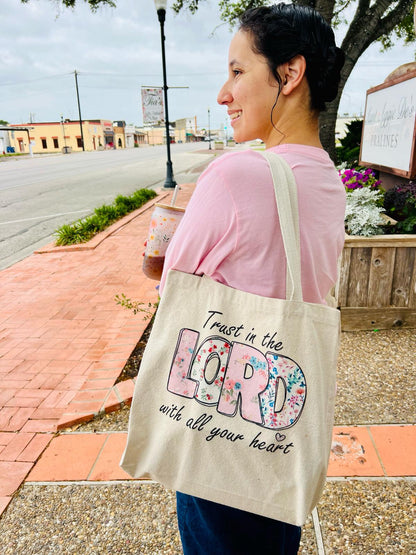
(287, 208)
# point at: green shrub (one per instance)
(349, 151)
(107, 212)
(400, 204)
(83, 230)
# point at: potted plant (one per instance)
(377, 281)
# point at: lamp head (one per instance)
(161, 4)
(161, 10)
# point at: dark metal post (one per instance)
(169, 183)
(79, 109)
(209, 129)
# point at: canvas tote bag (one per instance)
(235, 395)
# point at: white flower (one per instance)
(362, 214)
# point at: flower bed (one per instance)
(377, 282)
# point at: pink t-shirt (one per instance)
(230, 230)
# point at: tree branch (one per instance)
(326, 8)
(389, 22)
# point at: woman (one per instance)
(283, 67)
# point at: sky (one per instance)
(117, 51)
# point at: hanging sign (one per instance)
(152, 105)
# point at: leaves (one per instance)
(136, 306)
(191, 5)
(94, 4)
(400, 204)
(83, 230)
(362, 214)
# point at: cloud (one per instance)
(116, 51)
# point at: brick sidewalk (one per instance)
(365, 451)
(63, 344)
(63, 339)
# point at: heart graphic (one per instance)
(280, 437)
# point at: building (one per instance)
(119, 134)
(97, 134)
(134, 136)
(183, 130)
(48, 137)
(4, 142)
(156, 135)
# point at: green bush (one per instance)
(83, 230)
(400, 204)
(349, 151)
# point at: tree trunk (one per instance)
(327, 123)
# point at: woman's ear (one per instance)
(292, 73)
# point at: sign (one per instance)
(152, 105)
(388, 139)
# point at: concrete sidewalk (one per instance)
(63, 343)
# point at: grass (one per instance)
(11, 154)
(84, 229)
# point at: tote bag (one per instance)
(235, 395)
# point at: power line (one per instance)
(34, 80)
(93, 74)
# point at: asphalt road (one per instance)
(39, 194)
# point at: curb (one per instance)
(117, 397)
(100, 237)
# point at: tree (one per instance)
(94, 4)
(349, 151)
(2, 122)
(373, 20)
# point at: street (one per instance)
(39, 194)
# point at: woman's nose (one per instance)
(224, 96)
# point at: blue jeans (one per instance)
(207, 528)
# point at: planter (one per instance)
(218, 146)
(377, 283)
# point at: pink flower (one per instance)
(229, 384)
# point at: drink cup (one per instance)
(164, 221)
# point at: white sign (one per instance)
(389, 127)
(152, 105)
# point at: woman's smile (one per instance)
(249, 92)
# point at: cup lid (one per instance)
(169, 207)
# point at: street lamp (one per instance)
(209, 129)
(65, 151)
(161, 14)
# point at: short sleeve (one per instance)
(208, 231)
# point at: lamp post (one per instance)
(161, 14)
(209, 128)
(63, 133)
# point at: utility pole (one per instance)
(209, 128)
(79, 109)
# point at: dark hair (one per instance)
(283, 31)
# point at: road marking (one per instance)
(44, 217)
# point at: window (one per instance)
(79, 142)
(55, 142)
(44, 143)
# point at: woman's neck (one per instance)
(295, 122)
(292, 133)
